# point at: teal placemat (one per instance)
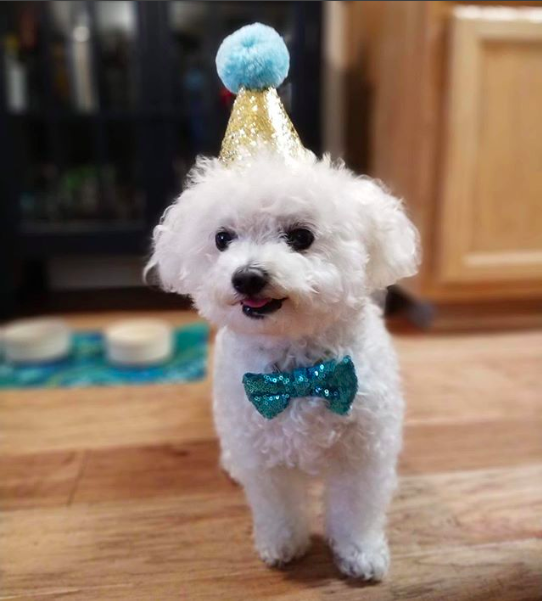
(87, 365)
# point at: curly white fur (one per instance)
(363, 242)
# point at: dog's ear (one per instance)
(180, 239)
(166, 264)
(392, 239)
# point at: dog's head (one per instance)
(276, 249)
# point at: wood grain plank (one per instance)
(86, 418)
(447, 378)
(188, 468)
(39, 480)
(202, 537)
(471, 377)
(443, 446)
(507, 572)
(474, 507)
(488, 345)
(146, 472)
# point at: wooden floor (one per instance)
(115, 494)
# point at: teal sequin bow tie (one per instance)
(334, 381)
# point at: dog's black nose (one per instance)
(249, 280)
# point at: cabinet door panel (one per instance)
(491, 218)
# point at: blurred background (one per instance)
(104, 106)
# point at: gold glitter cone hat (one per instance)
(252, 63)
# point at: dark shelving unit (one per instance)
(103, 108)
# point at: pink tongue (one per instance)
(256, 303)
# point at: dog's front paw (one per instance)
(280, 550)
(366, 561)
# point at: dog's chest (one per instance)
(301, 436)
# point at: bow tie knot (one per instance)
(334, 381)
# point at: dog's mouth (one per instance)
(258, 308)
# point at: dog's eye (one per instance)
(223, 239)
(300, 238)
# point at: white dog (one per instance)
(283, 258)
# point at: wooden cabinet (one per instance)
(457, 131)
(491, 219)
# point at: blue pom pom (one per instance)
(254, 57)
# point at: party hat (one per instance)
(252, 63)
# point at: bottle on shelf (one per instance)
(16, 77)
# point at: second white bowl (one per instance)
(139, 342)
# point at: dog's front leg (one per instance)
(277, 498)
(356, 498)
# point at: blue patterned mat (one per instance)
(87, 365)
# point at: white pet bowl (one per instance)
(139, 342)
(37, 340)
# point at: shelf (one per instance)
(106, 115)
(79, 227)
(119, 240)
(100, 131)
